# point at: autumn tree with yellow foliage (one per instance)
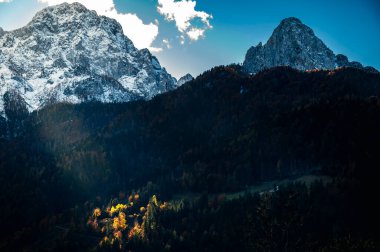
(126, 222)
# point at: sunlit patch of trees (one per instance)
(288, 219)
(121, 223)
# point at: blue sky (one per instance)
(348, 27)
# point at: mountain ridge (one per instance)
(295, 44)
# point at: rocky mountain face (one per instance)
(295, 44)
(68, 53)
(186, 78)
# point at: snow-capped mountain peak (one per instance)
(69, 53)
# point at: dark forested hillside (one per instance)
(220, 133)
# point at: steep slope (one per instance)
(224, 122)
(69, 53)
(294, 44)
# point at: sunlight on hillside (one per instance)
(120, 223)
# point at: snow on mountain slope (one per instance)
(69, 53)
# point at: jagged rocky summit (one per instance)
(294, 44)
(69, 53)
(186, 78)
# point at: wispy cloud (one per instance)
(167, 43)
(142, 35)
(5, 1)
(183, 13)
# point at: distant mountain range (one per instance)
(68, 53)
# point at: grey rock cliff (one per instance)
(294, 44)
(2, 32)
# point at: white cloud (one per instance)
(167, 43)
(155, 49)
(183, 13)
(142, 35)
(182, 39)
(5, 1)
(195, 33)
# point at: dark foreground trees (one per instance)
(219, 134)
